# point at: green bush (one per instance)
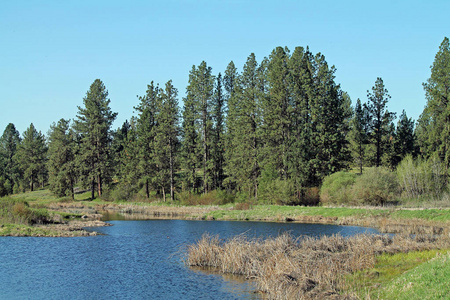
(336, 188)
(121, 192)
(418, 177)
(19, 212)
(376, 186)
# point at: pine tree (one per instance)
(129, 156)
(330, 117)
(405, 138)
(9, 143)
(232, 92)
(61, 163)
(190, 142)
(166, 140)
(302, 94)
(31, 156)
(244, 124)
(359, 134)
(93, 125)
(200, 92)
(380, 117)
(148, 109)
(119, 144)
(434, 123)
(276, 111)
(218, 136)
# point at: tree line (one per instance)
(274, 129)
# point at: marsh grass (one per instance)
(378, 282)
(302, 268)
(426, 281)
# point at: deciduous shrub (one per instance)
(336, 188)
(419, 177)
(376, 186)
(18, 211)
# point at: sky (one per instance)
(52, 51)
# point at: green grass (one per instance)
(430, 280)
(425, 214)
(24, 230)
(262, 212)
(387, 279)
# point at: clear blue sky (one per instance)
(51, 51)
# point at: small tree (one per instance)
(9, 143)
(61, 163)
(31, 155)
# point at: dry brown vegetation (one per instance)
(302, 268)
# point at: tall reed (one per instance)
(286, 267)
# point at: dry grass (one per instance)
(302, 268)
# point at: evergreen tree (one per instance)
(302, 94)
(9, 143)
(148, 109)
(276, 111)
(434, 123)
(405, 138)
(379, 117)
(61, 163)
(391, 156)
(359, 134)
(190, 141)
(330, 116)
(93, 125)
(244, 125)
(129, 156)
(232, 91)
(31, 156)
(200, 92)
(166, 140)
(218, 136)
(119, 144)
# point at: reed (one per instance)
(286, 267)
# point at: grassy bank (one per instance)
(393, 219)
(404, 276)
(34, 214)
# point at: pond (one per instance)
(132, 260)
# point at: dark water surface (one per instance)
(133, 260)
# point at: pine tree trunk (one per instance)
(164, 194)
(171, 171)
(205, 152)
(92, 188)
(147, 190)
(99, 183)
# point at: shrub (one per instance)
(421, 177)
(375, 187)
(122, 192)
(19, 212)
(336, 188)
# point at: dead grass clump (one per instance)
(285, 267)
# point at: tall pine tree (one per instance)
(434, 123)
(148, 109)
(380, 118)
(93, 125)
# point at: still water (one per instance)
(132, 260)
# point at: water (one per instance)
(133, 260)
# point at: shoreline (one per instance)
(385, 220)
